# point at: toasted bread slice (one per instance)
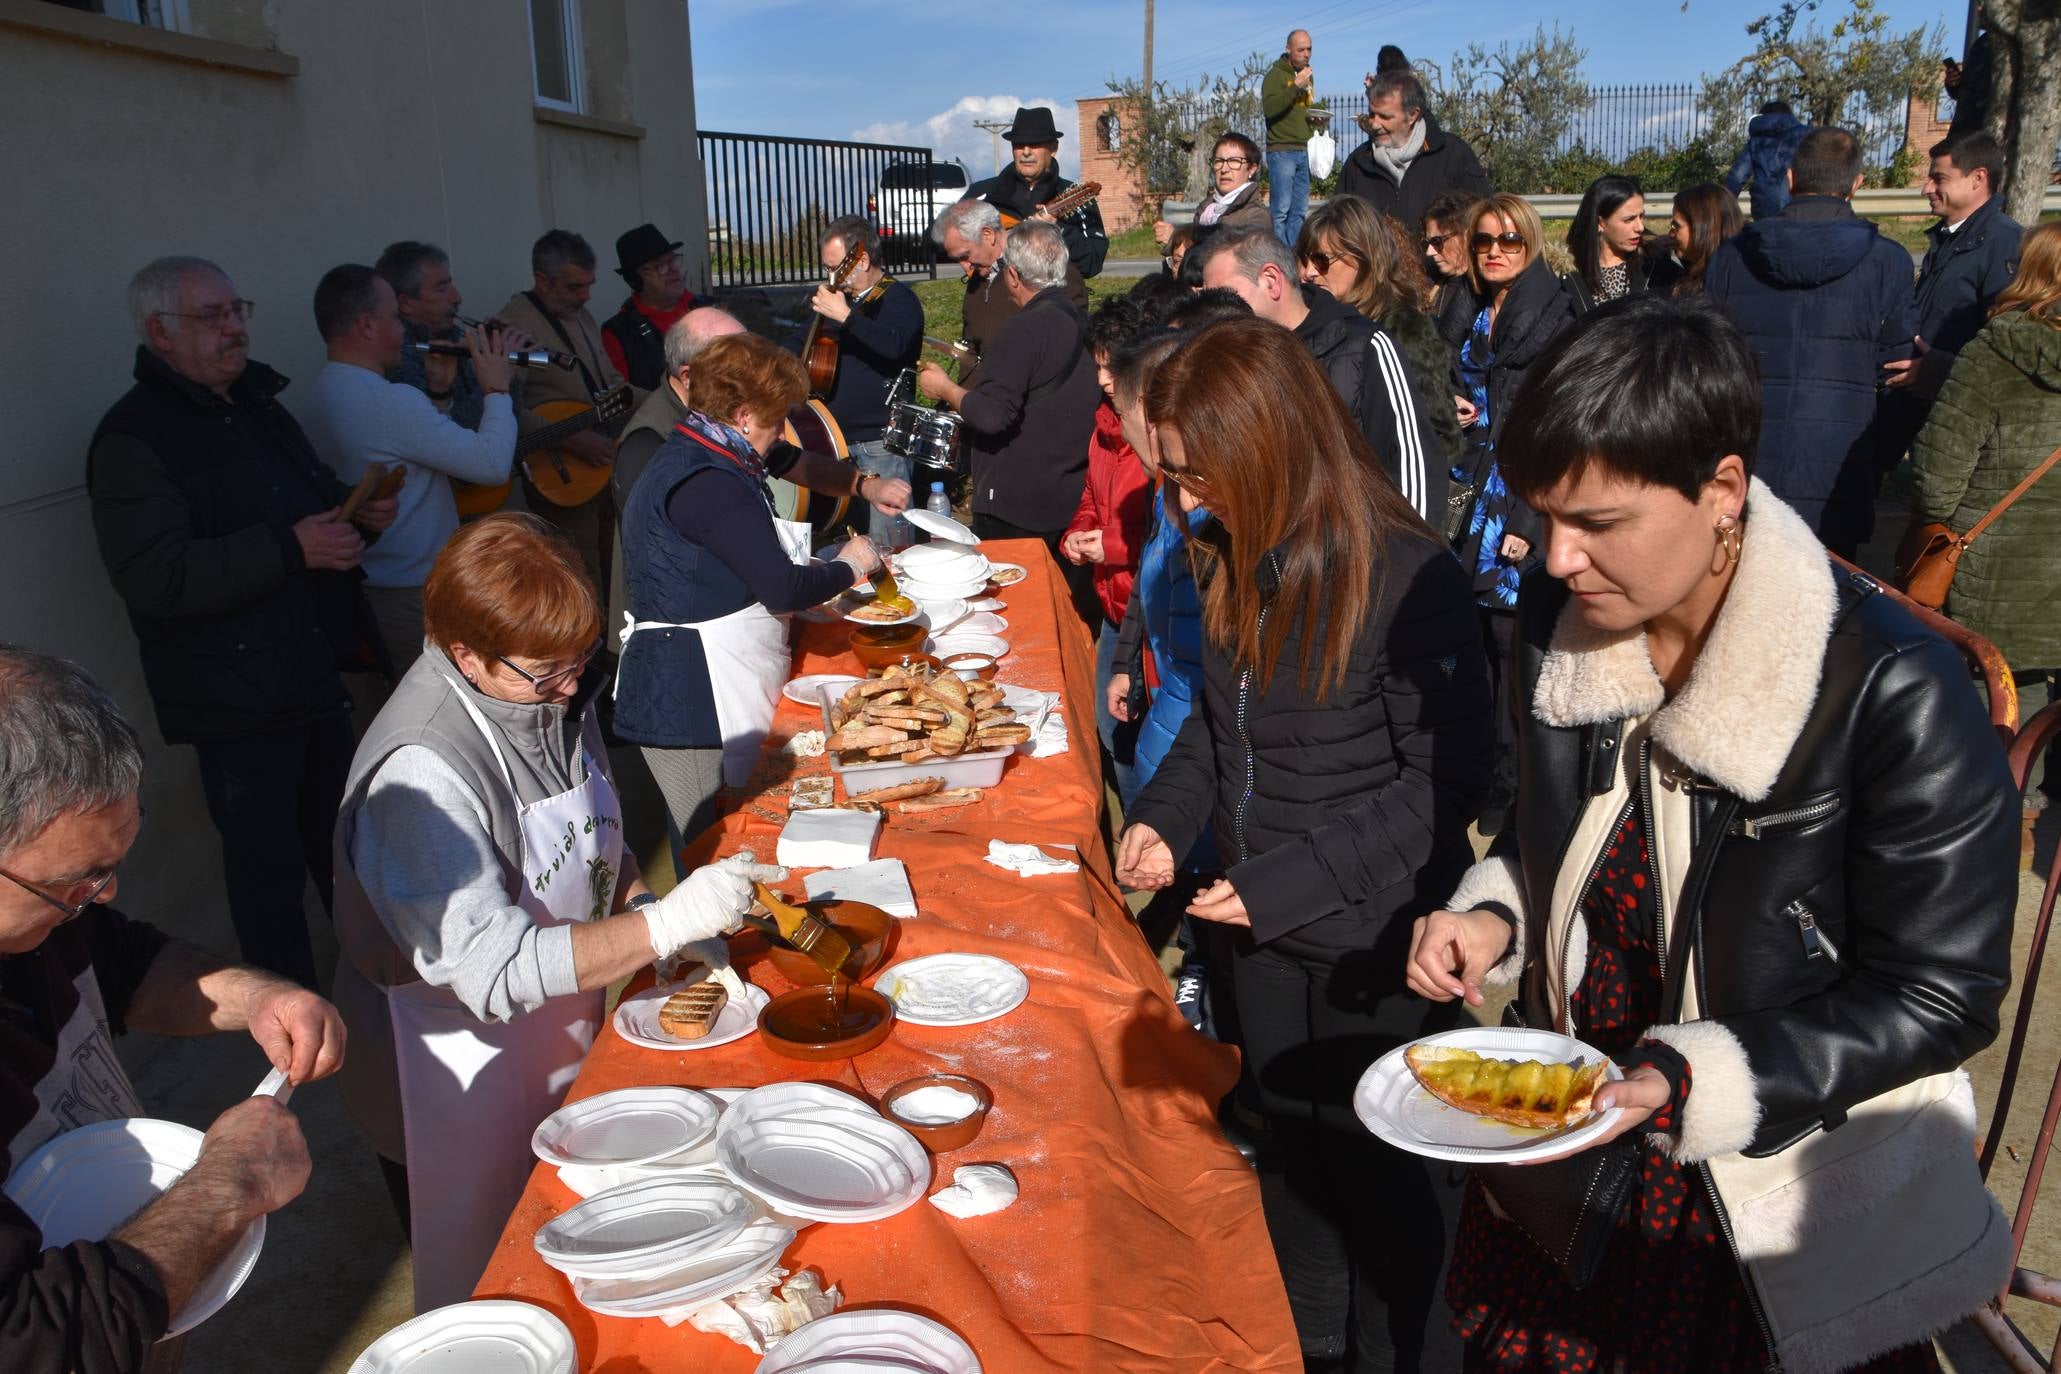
(690, 1013)
(1515, 1092)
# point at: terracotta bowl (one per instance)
(912, 661)
(879, 645)
(941, 1136)
(817, 1049)
(868, 927)
(980, 666)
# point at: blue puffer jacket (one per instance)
(1771, 141)
(1825, 301)
(1171, 604)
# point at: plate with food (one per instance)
(804, 689)
(1487, 1094)
(880, 610)
(697, 1016)
(954, 989)
(1006, 574)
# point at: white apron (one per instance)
(472, 1091)
(748, 661)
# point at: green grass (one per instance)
(1135, 242)
(942, 318)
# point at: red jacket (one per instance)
(1118, 501)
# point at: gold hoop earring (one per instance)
(1729, 539)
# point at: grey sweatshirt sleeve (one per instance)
(424, 851)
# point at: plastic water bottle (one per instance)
(937, 502)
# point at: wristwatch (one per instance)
(640, 901)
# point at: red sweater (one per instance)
(661, 320)
(1118, 501)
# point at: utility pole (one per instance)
(995, 128)
(1148, 49)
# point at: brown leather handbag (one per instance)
(1931, 552)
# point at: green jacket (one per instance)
(1286, 106)
(1997, 417)
(1431, 368)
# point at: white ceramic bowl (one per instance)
(967, 642)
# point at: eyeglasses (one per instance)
(1509, 241)
(215, 316)
(558, 678)
(1322, 261)
(1192, 483)
(92, 885)
(1230, 162)
(1434, 243)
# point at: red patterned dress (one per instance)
(1668, 1296)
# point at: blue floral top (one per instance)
(1485, 522)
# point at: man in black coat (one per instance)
(1825, 301)
(1032, 179)
(1408, 161)
(1366, 368)
(1031, 412)
(1972, 258)
(217, 523)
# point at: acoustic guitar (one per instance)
(1072, 199)
(819, 348)
(812, 428)
(559, 478)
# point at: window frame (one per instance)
(169, 15)
(574, 47)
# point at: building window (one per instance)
(1110, 131)
(156, 14)
(555, 54)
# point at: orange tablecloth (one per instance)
(1137, 1244)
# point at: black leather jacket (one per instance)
(1852, 928)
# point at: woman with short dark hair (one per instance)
(485, 900)
(1339, 748)
(1764, 857)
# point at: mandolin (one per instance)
(1072, 199)
(559, 478)
(819, 347)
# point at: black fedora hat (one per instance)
(639, 246)
(1033, 125)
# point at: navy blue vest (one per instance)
(662, 696)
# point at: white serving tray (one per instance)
(627, 1127)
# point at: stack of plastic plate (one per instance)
(628, 1127)
(662, 1245)
(943, 571)
(875, 1341)
(821, 1155)
(491, 1334)
(86, 1184)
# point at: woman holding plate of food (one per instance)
(1764, 856)
(1339, 745)
(710, 570)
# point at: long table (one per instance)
(1138, 1244)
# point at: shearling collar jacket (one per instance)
(1835, 838)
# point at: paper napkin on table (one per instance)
(756, 1319)
(977, 1189)
(883, 883)
(1027, 859)
(828, 838)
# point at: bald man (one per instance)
(1285, 100)
(664, 408)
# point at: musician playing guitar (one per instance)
(1032, 179)
(875, 325)
(554, 312)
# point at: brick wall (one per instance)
(1923, 127)
(1123, 201)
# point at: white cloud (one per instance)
(952, 134)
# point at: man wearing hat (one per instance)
(1032, 179)
(635, 335)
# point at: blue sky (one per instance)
(812, 68)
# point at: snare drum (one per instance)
(939, 446)
(899, 438)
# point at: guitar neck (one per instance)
(550, 435)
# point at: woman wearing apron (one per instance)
(485, 901)
(710, 570)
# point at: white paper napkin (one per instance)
(1027, 859)
(756, 1319)
(977, 1189)
(828, 838)
(883, 883)
(1051, 738)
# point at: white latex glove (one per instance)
(708, 902)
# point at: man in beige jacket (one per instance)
(554, 313)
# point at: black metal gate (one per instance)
(770, 197)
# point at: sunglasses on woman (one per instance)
(1509, 241)
(1436, 243)
(1322, 261)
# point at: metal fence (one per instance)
(769, 199)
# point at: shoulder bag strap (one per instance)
(558, 328)
(2000, 507)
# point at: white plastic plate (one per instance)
(491, 1336)
(749, 1256)
(640, 1228)
(965, 642)
(1007, 574)
(877, 1334)
(915, 610)
(953, 989)
(982, 623)
(87, 1183)
(838, 1167)
(1391, 1104)
(940, 526)
(792, 1099)
(942, 560)
(636, 1019)
(626, 1127)
(804, 689)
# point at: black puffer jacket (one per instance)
(1341, 822)
(1371, 376)
(1851, 925)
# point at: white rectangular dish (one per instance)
(982, 769)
